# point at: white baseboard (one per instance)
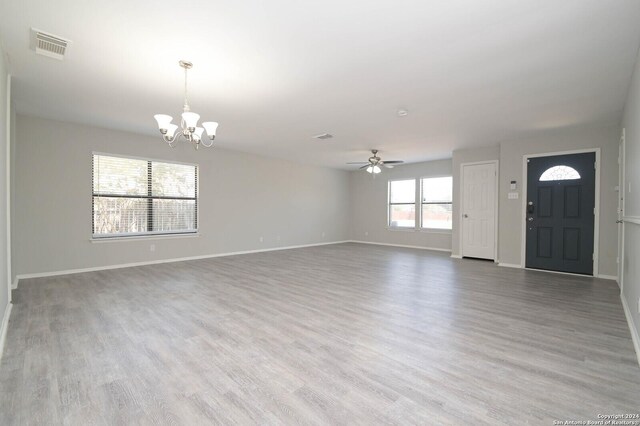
(608, 277)
(632, 327)
(155, 262)
(456, 256)
(510, 265)
(5, 327)
(400, 245)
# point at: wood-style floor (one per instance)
(341, 334)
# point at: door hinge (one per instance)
(594, 211)
(593, 256)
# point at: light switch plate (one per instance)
(513, 195)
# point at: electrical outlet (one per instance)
(323, 234)
(261, 239)
(366, 234)
(152, 247)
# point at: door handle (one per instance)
(530, 219)
(530, 207)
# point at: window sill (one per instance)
(425, 230)
(144, 237)
(401, 229)
(435, 231)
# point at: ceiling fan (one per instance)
(375, 163)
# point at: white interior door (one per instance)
(479, 210)
(621, 188)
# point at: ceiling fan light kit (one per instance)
(188, 128)
(375, 163)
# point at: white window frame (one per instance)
(434, 230)
(389, 204)
(150, 234)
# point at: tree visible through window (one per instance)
(437, 197)
(138, 197)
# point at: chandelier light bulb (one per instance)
(210, 127)
(171, 130)
(376, 169)
(370, 169)
(163, 120)
(197, 134)
(190, 119)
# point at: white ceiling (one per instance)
(274, 73)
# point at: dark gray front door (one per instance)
(560, 213)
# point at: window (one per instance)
(402, 203)
(143, 197)
(559, 173)
(437, 196)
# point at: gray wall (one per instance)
(369, 196)
(459, 157)
(5, 284)
(511, 167)
(631, 273)
(369, 206)
(510, 155)
(242, 198)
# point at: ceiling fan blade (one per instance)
(389, 166)
(393, 162)
(359, 162)
(364, 167)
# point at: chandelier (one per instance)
(189, 129)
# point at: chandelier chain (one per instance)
(186, 100)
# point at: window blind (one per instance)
(134, 196)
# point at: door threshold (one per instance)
(478, 258)
(560, 272)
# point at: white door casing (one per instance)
(479, 210)
(620, 221)
(596, 227)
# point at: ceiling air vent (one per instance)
(323, 136)
(48, 45)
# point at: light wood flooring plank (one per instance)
(340, 334)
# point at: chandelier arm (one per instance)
(173, 139)
(205, 145)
